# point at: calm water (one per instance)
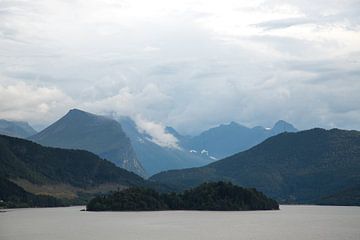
(291, 222)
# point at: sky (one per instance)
(187, 64)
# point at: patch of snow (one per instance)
(204, 152)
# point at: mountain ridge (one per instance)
(99, 134)
(227, 139)
(16, 128)
(297, 167)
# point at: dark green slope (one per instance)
(25, 160)
(98, 134)
(291, 167)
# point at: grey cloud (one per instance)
(194, 80)
(283, 23)
(350, 16)
(316, 12)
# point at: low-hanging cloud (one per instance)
(157, 133)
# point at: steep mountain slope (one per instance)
(59, 172)
(298, 167)
(156, 158)
(100, 135)
(228, 139)
(16, 129)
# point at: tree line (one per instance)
(217, 196)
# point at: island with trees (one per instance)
(217, 196)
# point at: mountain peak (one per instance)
(75, 110)
(80, 115)
(283, 126)
(99, 134)
(232, 123)
(78, 111)
(172, 131)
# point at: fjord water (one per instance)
(290, 223)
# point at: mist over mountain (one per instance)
(302, 167)
(196, 151)
(130, 147)
(156, 158)
(98, 134)
(16, 129)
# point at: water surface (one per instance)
(290, 223)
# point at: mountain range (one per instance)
(313, 166)
(16, 129)
(124, 144)
(195, 151)
(228, 139)
(98, 134)
(303, 167)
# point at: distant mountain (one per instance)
(178, 136)
(228, 139)
(282, 126)
(156, 158)
(209, 146)
(301, 167)
(16, 129)
(57, 172)
(98, 134)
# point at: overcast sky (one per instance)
(188, 64)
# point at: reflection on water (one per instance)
(290, 223)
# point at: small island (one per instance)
(218, 196)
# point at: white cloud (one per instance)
(147, 101)
(157, 133)
(189, 64)
(21, 101)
